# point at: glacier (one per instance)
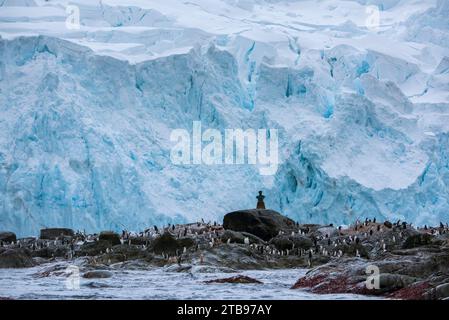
(86, 114)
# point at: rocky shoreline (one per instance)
(411, 263)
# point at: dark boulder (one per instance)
(237, 279)
(388, 224)
(391, 282)
(168, 244)
(265, 224)
(7, 237)
(301, 242)
(442, 291)
(54, 233)
(282, 243)
(110, 236)
(97, 274)
(15, 258)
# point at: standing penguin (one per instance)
(309, 261)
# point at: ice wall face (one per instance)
(86, 137)
(85, 121)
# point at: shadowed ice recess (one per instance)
(86, 115)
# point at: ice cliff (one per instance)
(86, 115)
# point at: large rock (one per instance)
(237, 279)
(97, 274)
(7, 237)
(442, 291)
(168, 244)
(265, 224)
(54, 233)
(15, 258)
(284, 242)
(110, 236)
(388, 224)
(391, 282)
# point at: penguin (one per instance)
(246, 240)
(357, 254)
(309, 261)
(229, 241)
(371, 232)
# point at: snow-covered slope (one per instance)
(86, 114)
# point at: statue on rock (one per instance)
(260, 203)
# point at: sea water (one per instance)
(157, 283)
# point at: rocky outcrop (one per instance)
(93, 248)
(166, 243)
(15, 258)
(56, 233)
(237, 279)
(110, 236)
(408, 275)
(265, 224)
(97, 274)
(7, 237)
(289, 242)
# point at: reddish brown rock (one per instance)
(415, 291)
